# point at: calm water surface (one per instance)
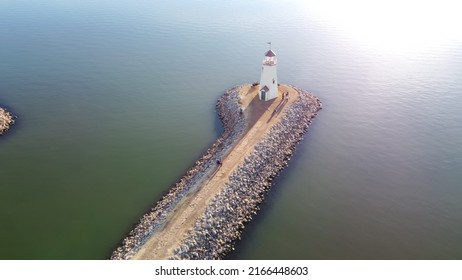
(115, 100)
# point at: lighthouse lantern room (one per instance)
(269, 81)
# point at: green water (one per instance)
(116, 100)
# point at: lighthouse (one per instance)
(269, 79)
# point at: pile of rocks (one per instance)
(215, 232)
(6, 120)
(154, 220)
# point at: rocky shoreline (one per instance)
(6, 120)
(215, 232)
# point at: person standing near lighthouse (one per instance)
(269, 81)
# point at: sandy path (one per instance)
(261, 117)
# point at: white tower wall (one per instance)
(269, 78)
(269, 81)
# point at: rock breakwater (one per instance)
(215, 232)
(6, 120)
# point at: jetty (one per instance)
(6, 120)
(204, 213)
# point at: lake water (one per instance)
(115, 100)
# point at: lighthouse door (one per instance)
(263, 95)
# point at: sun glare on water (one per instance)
(397, 26)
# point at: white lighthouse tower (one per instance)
(269, 79)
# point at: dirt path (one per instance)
(261, 117)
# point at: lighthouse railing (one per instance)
(269, 62)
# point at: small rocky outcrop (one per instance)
(6, 120)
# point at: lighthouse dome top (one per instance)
(270, 53)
